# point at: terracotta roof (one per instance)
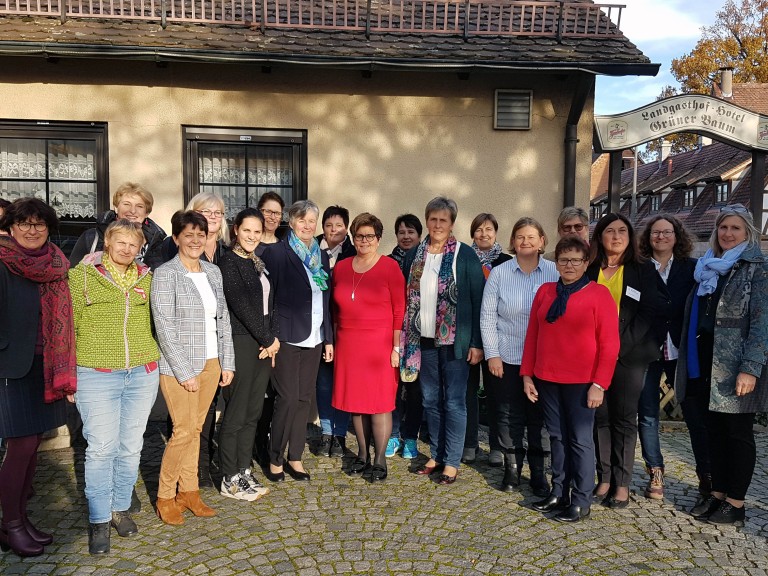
(750, 95)
(100, 38)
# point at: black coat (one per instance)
(293, 294)
(347, 248)
(679, 284)
(643, 322)
(19, 318)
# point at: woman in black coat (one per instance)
(667, 244)
(643, 308)
(250, 300)
(300, 274)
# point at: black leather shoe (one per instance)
(359, 466)
(273, 476)
(572, 514)
(135, 506)
(336, 449)
(615, 504)
(551, 503)
(98, 538)
(124, 524)
(378, 473)
(204, 479)
(727, 513)
(706, 508)
(295, 474)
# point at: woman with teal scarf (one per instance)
(724, 348)
(300, 274)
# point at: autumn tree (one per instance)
(737, 39)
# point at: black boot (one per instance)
(511, 473)
(135, 506)
(539, 483)
(98, 538)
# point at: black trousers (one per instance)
(696, 412)
(244, 399)
(515, 414)
(294, 378)
(732, 452)
(616, 425)
(473, 408)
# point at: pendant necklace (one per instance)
(355, 286)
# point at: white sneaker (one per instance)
(237, 487)
(255, 485)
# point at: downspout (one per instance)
(585, 87)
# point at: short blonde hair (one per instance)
(210, 200)
(135, 189)
(124, 226)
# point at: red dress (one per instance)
(364, 381)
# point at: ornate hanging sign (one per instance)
(685, 113)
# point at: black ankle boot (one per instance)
(14, 535)
(539, 483)
(511, 473)
(98, 538)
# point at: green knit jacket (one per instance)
(113, 329)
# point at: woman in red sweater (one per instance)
(570, 353)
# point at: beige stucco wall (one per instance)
(386, 144)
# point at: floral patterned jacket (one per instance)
(741, 338)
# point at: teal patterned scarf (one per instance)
(311, 259)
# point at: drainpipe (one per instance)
(585, 87)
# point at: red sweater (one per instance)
(579, 347)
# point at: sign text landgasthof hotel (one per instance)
(686, 113)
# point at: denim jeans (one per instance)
(333, 422)
(444, 390)
(648, 411)
(114, 407)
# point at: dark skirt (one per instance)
(23, 412)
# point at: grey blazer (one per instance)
(180, 322)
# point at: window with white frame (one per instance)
(63, 164)
(721, 192)
(240, 164)
(655, 203)
(689, 197)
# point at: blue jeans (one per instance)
(648, 411)
(114, 407)
(333, 422)
(444, 390)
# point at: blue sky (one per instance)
(663, 30)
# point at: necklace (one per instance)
(355, 286)
(609, 266)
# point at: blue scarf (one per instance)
(311, 258)
(708, 270)
(564, 292)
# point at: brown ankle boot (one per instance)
(192, 502)
(169, 512)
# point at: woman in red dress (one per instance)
(369, 304)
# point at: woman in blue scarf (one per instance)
(300, 274)
(723, 354)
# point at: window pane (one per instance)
(233, 196)
(72, 160)
(270, 165)
(23, 159)
(13, 190)
(73, 199)
(221, 164)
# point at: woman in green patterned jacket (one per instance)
(117, 373)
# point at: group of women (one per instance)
(571, 351)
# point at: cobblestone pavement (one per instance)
(338, 524)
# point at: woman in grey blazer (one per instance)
(195, 339)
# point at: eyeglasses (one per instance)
(665, 233)
(572, 261)
(365, 237)
(211, 213)
(271, 213)
(572, 227)
(38, 226)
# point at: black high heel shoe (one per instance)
(273, 476)
(295, 474)
(378, 473)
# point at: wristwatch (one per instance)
(396, 349)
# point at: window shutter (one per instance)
(512, 110)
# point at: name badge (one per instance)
(632, 293)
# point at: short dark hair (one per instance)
(339, 211)
(367, 219)
(411, 221)
(23, 209)
(481, 219)
(683, 241)
(4, 203)
(267, 196)
(571, 243)
(597, 251)
(247, 213)
(181, 219)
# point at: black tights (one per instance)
(376, 426)
(16, 476)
